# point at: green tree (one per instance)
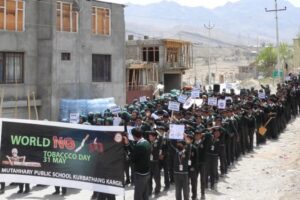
(266, 60)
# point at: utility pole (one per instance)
(277, 32)
(209, 27)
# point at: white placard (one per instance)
(117, 121)
(198, 102)
(129, 129)
(229, 98)
(287, 78)
(176, 132)
(74, 118)
(212, 101)
(182, 98)
(262, 95)
(115, 110)
(195, 93)
(221, 104)
(143, 99)
(188, 103)
(229, 86)
(174, 106)
(154, 116)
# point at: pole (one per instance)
(209, 27)
(276, 10)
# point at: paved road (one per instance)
(272, 171)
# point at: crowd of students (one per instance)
(214, 139)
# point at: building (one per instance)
(151, 61)
(297, 54)
(60, 49)
(247, 72)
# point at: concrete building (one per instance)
(297, 54)
(151, 61)
(60, 49)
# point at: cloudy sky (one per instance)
(205, 3)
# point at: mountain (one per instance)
(244, 22)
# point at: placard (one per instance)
(221, 104)
(115, 110)
(212, 101)
(182, 98)
(74, 118)
(229, 99)
(195, 93)
(117, 121)
(154, 116)
(143, 99)
(174, 106)
(176, 132)
(262, 95)
(189, 102)
(229, 86)
(129, 129)
(287, 78)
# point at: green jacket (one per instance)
(140, 156)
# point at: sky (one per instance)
(204, 3)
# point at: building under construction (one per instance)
(153, 61)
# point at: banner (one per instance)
(62, 154)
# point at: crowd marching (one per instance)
(213, 141)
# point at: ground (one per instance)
(272, 171)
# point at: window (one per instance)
(11, 67)
(66, 17)
(65, 56)
(100, 21)
(101, 68)
(151, 54)
(12, 15)
(172, 55)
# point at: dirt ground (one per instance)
(271, 172)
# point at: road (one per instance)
(272, 171)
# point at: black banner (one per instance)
(69, 155)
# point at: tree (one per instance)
(266, 60)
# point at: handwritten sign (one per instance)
(221, 104)
(115, 110)
(154, 116)
(188, 103)
(129, 129)
(117, 121)
(212, 101)
(74, 118)
(262, 95)
(182, 98)
(229, 86)
(195, 93)
(229, 99)
(174, 106)
(176, 132)
(143, 99)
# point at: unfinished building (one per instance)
(153, 61)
